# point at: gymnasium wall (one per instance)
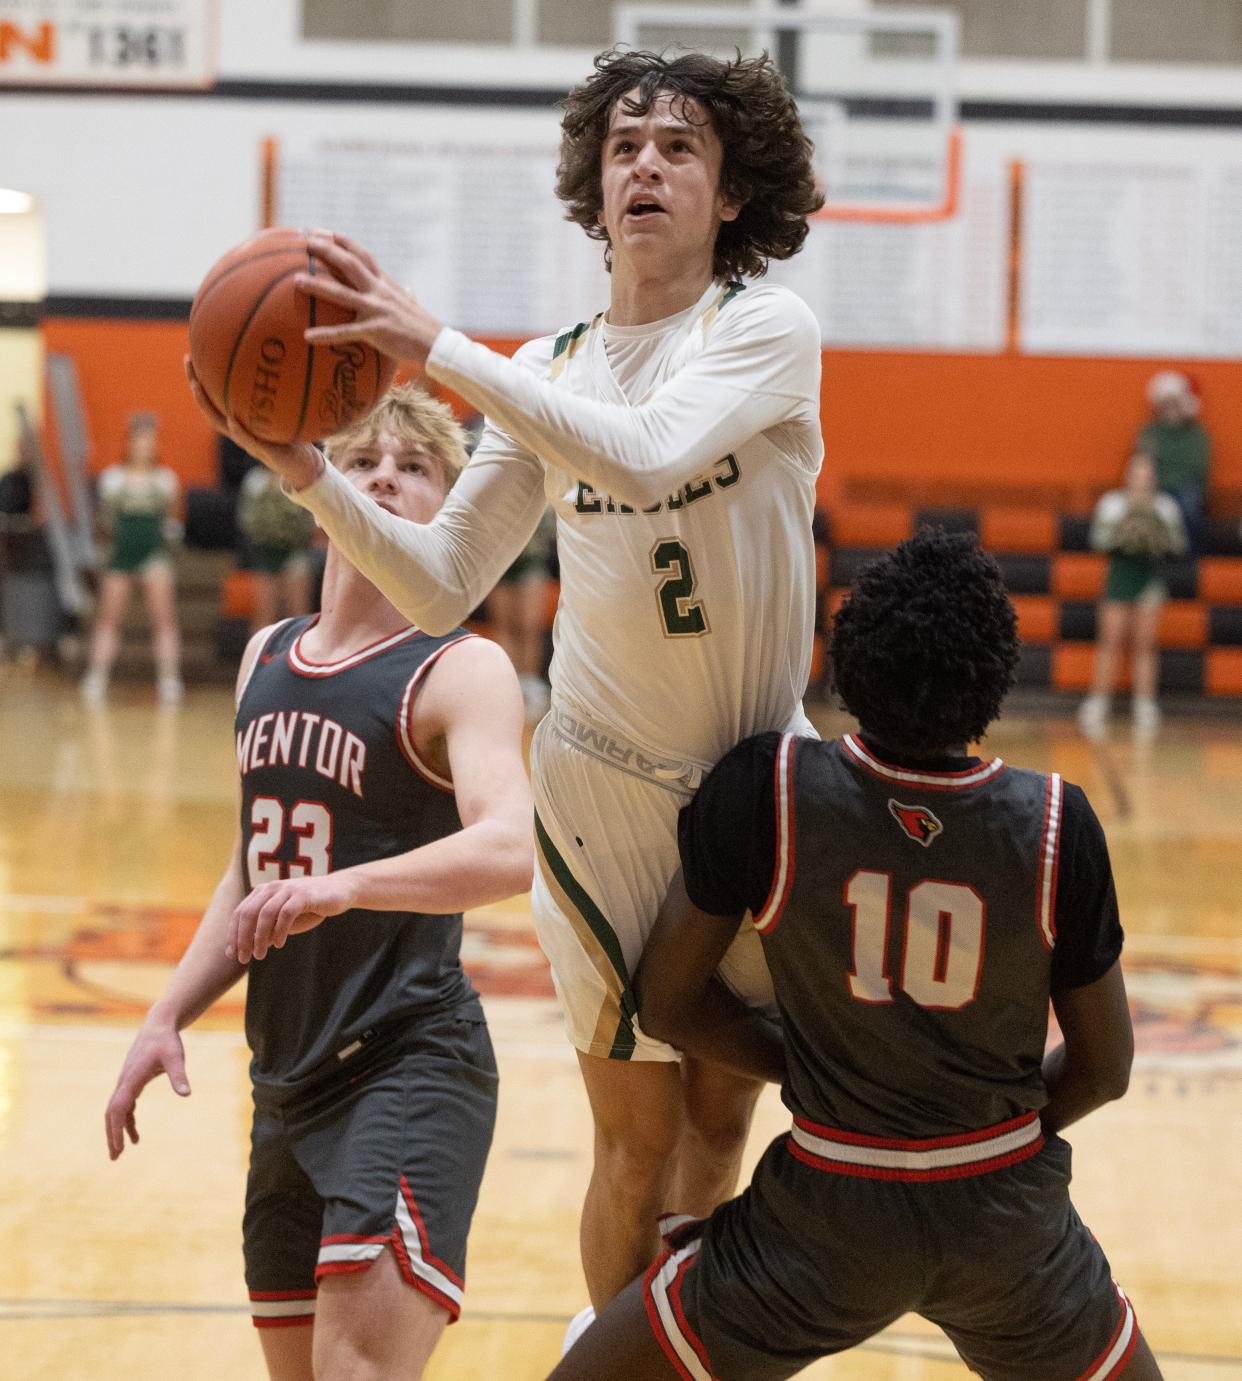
(141, 193)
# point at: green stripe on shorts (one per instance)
(623, 1042)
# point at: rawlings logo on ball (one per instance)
(340, 404)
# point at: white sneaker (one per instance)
(1093, 717)
(1146, 719)
(170, 690)
(95, 687)
(578, 1325)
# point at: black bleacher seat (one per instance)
(846, 562)
(1222, 537)
(951, 519)
(1072, 531)
(1035, 665)
(1181, 669)
(1225, 625)
(1023, 574)
(1078, 621)
(1182, 578)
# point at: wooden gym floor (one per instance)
(114, 824)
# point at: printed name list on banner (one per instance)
(1133, 259)
(106, 43)
(477, 232)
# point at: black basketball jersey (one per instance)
(331, 778)
(910, 924)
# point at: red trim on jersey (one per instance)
(688, 1333)
(405, 711)
(927, 779)
(417, 1282)
(302, 665)
(1049, 854)
(657, 1324)
(931, 1143)
(343, 1268)
(947, 1172)
(284, 1294)
(428, 1256)
(782, 880)
(1094, 1372)
(284, 1321)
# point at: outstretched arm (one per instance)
(471, 701)
(761, 367)
(435, 573)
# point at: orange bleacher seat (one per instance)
(237, 595)
(553, 599)
(1072, 665)
(835, 599)
(1018, 529)
(1183, 623)
(1079, 574)
(1037, 618)
(1223, 671)
(1220, 579)
(821, 566)
(870, 524)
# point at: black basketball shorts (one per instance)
(390, 1155)
(806, 1263)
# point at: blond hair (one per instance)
(413, 415)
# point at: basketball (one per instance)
(247, 346)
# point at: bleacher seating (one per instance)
(1055, 581)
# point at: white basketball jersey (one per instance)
(688, 624)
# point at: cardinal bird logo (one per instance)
(916, 821)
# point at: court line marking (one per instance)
(920, 1345)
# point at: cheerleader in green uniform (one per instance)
(137, 499)
(280, 535)
(1138, 527)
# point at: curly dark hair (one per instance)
(925, 647)
(766, 166)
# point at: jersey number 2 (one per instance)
(942, 952)
(311, 821)
(681, 618)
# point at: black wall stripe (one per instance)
(545, 98)
(119, 308)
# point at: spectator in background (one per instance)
(1138, 527)
(1176, 440)
(515, 610)
(137, 499)
(280, 535)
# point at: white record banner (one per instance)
(107, 43)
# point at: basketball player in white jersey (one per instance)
(676, 435)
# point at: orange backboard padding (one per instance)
(1223, 671)
(1037, 618)
(871, 525)
(1018, 529)
(1220, 579)
(1078, 574)
(1183, 623)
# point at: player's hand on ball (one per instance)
(276, 910)
(386, 316)
(299, 462)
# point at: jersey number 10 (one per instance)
(942, 950)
